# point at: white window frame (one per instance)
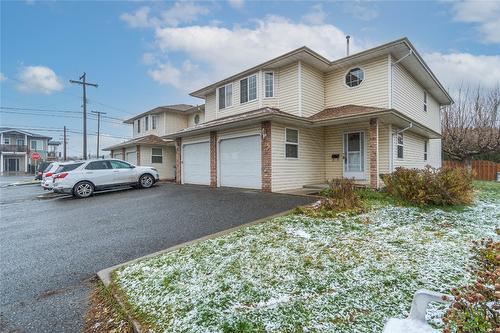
(398, 135)
(156, 155)
(6, 141)
(139, 125)
(146, 123)
(20, 144)
(248, 89)
(273, 86)
(426, 150)
(196, 116)
(153, 122)
(425, 101)
(291, 143)
(347, 72)
(225, 97)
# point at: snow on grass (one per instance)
(302, 274)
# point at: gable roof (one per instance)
(160, 109)
(143, 140)
(23, 132)
(401, 50)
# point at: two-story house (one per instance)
(302, 119)
(16, 147)
(147, 147)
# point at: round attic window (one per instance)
(197, 119)
(354, 77)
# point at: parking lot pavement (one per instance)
(51, 247)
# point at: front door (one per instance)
(354, 155)
(13, 164)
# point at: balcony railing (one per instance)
(13, 148)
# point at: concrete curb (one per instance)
(105, 274)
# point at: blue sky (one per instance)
(144, 54)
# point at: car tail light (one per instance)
(61, 175)
(48, 174)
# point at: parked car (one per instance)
(50, 171)
(82, 179)
(41, 168)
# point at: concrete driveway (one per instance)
(50, 248)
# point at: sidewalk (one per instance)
(11, 179)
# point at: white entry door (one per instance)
(354, 155)
(240, 162)
(196, 163)
(131, 157)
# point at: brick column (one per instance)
(178, 147)
(266, 156)
(373, 152)
(213, 159)
(138, 151)
(123, 154)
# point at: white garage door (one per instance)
(118, 156)
(240, 162)
(132, 157)
(196, 163)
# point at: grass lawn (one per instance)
(302, 274)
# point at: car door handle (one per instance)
(116, 171)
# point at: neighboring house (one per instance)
(147, 147)
(16, 147)
(302, 119)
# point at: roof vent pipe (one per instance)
(347, 44)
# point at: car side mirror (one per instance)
(132, 167)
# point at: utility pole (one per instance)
(98, 113)
(84, 85)
(64, 144)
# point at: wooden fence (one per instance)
(483, 170)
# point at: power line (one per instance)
(111, 120)
(50, 111)
(59, 129)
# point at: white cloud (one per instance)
(179, 12)
(39, 79)
(454, 69)
(188, 77)
(484, 13)
(2, 77)
(316, 16)
(220, 51)
(138, 19)
(149, 58)
(237, 3)
(361, 11)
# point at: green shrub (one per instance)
(430, 186)
(475, 307)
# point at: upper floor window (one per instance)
(153, 122)
(269, 84)
(6, 141)
(225, 96)
(36, 145)
(146, 124)
(138, 126)
(248, 89)
(197, 119)
(20, 142)
(354, 77)
(425, 150)
(291, 143)
(400, 145)
(425, 101)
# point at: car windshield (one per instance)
(68, 167)
(48, 167)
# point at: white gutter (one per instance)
(403, 58)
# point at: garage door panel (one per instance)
(240, 162)
(196, 163)
(131, 157)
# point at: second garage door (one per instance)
(240, 164)
(131, 157)
(196, 163)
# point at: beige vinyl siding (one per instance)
(167, 168)
(174, 122)
(373, 91)
(308, 168)
(288, 89)
(408, 98)
(190, 121)
(210, 106)
(334, 136)
(313, 90)
(413, 151)
(384, 148)
(236, 106)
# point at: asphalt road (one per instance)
(50, 248)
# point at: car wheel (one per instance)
(83, 190)
(146, 181)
